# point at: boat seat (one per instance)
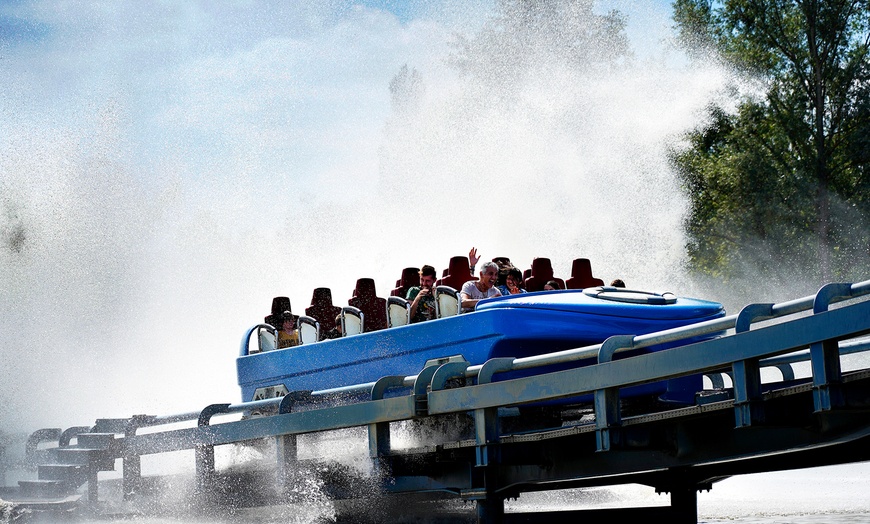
(279, 306)
(373, 306)
(399, 311)
(352, 320)
(446, 301)
(581, 275)
(266, 339)
(540, 273)
(321, 308)
(410, 278)
(309, 330)
(457, 273)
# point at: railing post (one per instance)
(131, 463)
(746, 374)
(825, 355)
(447, 372)
(286, 445)
(606, 401)
(379, 433)
(204, 453)
(490, 508)
(421, 388)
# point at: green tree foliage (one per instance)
(781, 181)
(524, 34)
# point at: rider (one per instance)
(422, 297)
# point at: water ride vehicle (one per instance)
(515, 326)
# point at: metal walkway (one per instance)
(739, 425)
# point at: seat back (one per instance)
(457, 273)
(581, 275)
(321, 308)
(266, 338)
(309, 330)
(352, 320)
(540, 273)
(398, 311)
(279, 306)
(410, 278)
(373, 306)
(446, 301)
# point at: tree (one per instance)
(523, 34)
(783, 178)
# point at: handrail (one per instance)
(670, 335)
(846, 348)
(707, 327)
(246, 339)
(702, 328)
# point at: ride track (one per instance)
(749, 426)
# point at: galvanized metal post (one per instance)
(746, 374)
(447, 372)
(286, 445)
(131, 463)
(490, 506)
(93, 482)
(204, 453)
(606, 401)
(421, 388)
(825, 355)
(379, 433)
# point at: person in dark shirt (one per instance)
(552, 286)
(335, 332)
(422, 297)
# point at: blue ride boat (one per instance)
(510, 326)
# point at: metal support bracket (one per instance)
(606, 401)
(448, 371)
(486, 420)
(490, 508)
(379, 433)
(204, 453)
(285, 445)
(131, 463)
(421, 388)
(825, 355)
(746, 374)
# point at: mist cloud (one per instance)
(168, 170)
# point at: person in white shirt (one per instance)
(474, 291)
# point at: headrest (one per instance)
(365, 287)
(280, 305)
(321, 295)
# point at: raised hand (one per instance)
(472, 257)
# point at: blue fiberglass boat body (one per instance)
(511, 326)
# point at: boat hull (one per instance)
(519, 326)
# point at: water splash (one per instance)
(146, 225)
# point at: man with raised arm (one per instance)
(422, 297)
(474, 291)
